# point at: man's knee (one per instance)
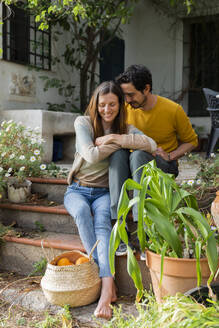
(119, 156)
(139, 157)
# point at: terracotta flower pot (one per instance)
(179, 275)
(18, 192)
(215, 210)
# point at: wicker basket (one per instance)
(76, 285)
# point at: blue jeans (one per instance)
(90, 208)
(122, 165)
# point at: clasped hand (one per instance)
(108, 139)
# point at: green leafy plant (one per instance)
(60, 320)
(175, 311)
(206, 182)
(21, 151)
(39, 226)
(39, 267)
(170, 217)
(21, 154)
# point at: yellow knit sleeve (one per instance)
(185, 131)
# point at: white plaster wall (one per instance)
(155, 40)
(40, 99)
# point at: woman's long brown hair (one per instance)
(119, 124)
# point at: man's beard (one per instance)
(136, 104)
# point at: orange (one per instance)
(81, 260)
(64, 261)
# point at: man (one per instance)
(159, 118)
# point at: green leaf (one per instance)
(164, 227)
(134, 271)
(163, 252)
(113, 245)
(198, 247)
(199, 221)
(140, 228)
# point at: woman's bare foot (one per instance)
(103, 309)
(114, 291)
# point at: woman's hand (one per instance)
(108, 139)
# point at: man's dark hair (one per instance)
(138, 75)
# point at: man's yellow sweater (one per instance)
(166, 123)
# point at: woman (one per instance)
(87, 199)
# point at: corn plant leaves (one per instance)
(135, 272)
(164, 226)
(113, 245)
(198, 220)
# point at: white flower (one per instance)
(12, 156)
(9, 122)
(198, 182)
(212, 155)
(8, 128)
(190, 182)
(33, 141)
(33, 158)
(3, 123)
(36, 152)
(22, 168)
(37, 128)
(1, 169)
(7, 175)
(22, 157)
(213, 228)
(3, 154)
(9, 170)
(43, 166)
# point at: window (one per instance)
(203, 63)
(112, 59)
(22, 42)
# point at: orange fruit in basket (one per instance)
(64, 261)
(81, 260)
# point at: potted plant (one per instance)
(206, 182)
(20, 158)
(177, 232)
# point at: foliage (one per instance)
(175, 311)
(21, 150)
(21, 154)
(61, 320)
(91, 25)
(206, 178)
(39, 267)
(170, 217)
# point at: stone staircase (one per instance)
(60, 234)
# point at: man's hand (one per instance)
(160, 152)
(108, 139)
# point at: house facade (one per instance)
(180, 50)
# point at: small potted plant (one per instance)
(206, 182)
(177, 234)
(20, 158)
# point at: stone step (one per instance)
(52, 187)
(19, 254)
(52, 218)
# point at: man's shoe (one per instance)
(143, 256)
(122, 249)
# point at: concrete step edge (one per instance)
(50, 240)
(58, 209)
